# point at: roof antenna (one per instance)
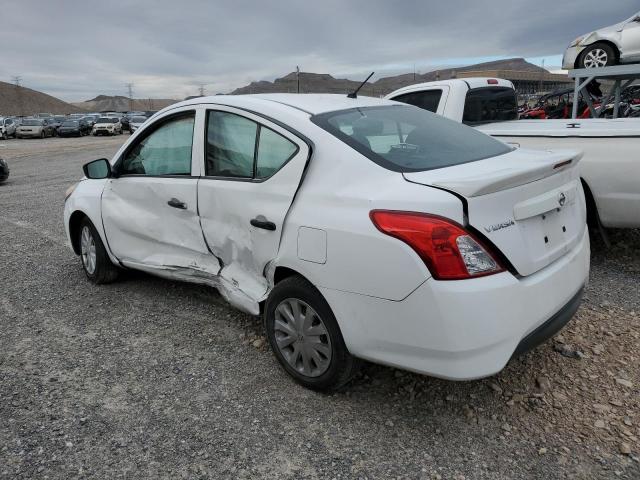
(354, 94)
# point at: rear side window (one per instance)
(241, 148)
(407, 139)
(492, 104)
(428, 99)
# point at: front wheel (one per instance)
(598, 55)
(95, 260)
(305, 337)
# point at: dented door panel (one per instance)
(142, 229)
(228, 206)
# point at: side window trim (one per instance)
(259, 128)
(152, 128)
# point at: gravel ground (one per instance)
(148, 378)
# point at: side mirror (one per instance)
(97, 169)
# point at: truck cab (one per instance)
(475, 100)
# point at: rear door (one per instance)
(529, 204)
(631, 40)
(253, 169)
(150, 211)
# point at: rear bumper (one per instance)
(465, 329)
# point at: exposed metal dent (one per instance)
(194, 274)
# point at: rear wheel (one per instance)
(305, 337)
(598, 55)
(95, 260)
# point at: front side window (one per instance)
(241, 148)
(165, 151)
(491, 104)
(406, 139)
(428, 99)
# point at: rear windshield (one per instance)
(490, 104)
(32, 123)
(409, 139)
(70, 124)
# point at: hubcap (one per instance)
(596, 58)
(88, 250)
(302, 337)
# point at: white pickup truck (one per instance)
(610, 168)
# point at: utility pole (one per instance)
(541, 77)
(17, 80)
(298, 78)
(202, 90)
(130, 92)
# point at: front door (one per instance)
(150, 210)
(631, 40)
(253, 169)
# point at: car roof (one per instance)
(310, 103)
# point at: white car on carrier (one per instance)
(359, 228)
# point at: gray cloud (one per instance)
(76, 50)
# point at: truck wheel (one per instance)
(305, 337)
(598, 55)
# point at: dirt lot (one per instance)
(148, 378)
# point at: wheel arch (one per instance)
(75, 220)
(593, 217)
(615, 48)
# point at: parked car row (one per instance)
(43, 125)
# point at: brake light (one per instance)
(446, 248)
(492, 81)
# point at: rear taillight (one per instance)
(447, 249)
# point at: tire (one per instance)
(94, 258)
(336, 366)
(5, 136)
(42, 134)
(598, 55)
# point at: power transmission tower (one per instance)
(130, 91)
(17, 80)
(202, 90)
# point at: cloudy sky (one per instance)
(76, 50)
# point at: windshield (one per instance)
(139, 119)
(107, 120)
(409, 139)
(59, 119)
(32, 123)
(70, 124)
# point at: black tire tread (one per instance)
(106, 271)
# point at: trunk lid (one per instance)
(528, 203)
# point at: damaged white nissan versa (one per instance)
(361, 229)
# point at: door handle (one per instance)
(175, 203)
(261, 222)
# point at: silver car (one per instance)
(7, 127)
(619, 43)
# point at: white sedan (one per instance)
(359, 228)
